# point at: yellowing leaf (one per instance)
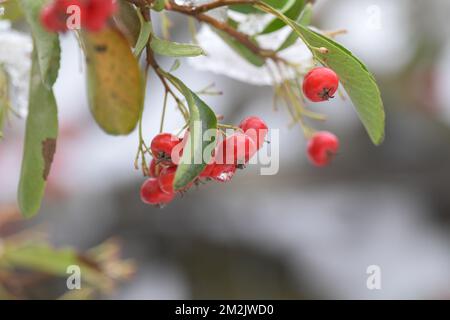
(115, 84)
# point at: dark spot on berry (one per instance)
(325, 94)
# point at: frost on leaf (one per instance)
(221, 59)
(15, 58)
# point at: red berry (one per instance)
(162, 145)
(320, 84)
(236, 149)
(153, 169)
(255, 128)
(322, 147)
(222, 172)
(151, 193)
(54, 17)
(166, 179)
(97, 14)
(94, 14)
(50, 21)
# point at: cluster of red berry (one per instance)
(229, 154)
(320, 84)
(93, 14)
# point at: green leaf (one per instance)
(158, 5)
(41, 257)
(127, 20)
(115, 84)
(174, 49)
(240, 49)
(202, 119)
(291, 10)
(11, 10)
(244, 8)
(304, 19)
(40, 143)
(250, 9)
(176, 64)
(359, 83)
(47, 44)
(144, 35)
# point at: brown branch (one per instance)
(198, 13)
(210, 6)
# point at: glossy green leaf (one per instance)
(240, 49)
(47, 44)
(201, 119)
(40, 143)
(292, 9)
(304, 19)
(115, 84)
(359, 83)
(174, 49)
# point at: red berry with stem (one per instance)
(54, 17)
(162, 145)
(256, 129)
(322, 147)
(320, 84)
(236, 149)
(151, 193)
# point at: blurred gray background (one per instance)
(303, 233)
